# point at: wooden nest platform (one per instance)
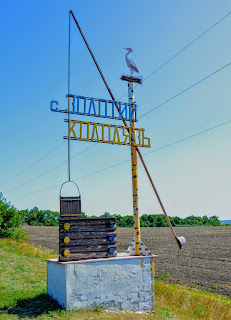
(131, 79)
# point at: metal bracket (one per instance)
(143, 250)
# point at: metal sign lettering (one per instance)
(106, 133)
(86, 106)
(102, 132)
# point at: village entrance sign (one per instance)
(119, 135)
(123, 281)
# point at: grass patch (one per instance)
(192, 304)
(24, 248)
(23, 293)
(163, 276)
(13, 234)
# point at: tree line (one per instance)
(159, 220)
(10, 217)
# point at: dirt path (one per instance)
(205, 260)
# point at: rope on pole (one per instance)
(69, 73)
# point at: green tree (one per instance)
(129, 221)
(84, 215)
(34, 217)
(9, 215)
(144, 221)
(106, 215)
(121, 221)
(50, 218)
(144, 217)
(214, 221)
(177, 220)
(172, 220)
(161, 221)
(205, 220)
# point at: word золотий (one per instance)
(86, 106)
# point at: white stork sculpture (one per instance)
(131, 64)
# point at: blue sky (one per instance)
(192, 177)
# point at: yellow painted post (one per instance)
(134, 174)
(153, 267)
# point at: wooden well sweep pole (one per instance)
(134, 173)
(137, 149)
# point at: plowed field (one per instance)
(204, 263)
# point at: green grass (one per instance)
(23, 293)
(163, 276)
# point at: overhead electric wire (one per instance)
(160, 105)
(34, 163)
(42, 174)
(189, 137)
(188, 45)
(188, 88)
(157, 69)
(145, 154)
(143, 115)
(181, 50)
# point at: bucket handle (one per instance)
(67, 182)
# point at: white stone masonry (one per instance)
(121, 283)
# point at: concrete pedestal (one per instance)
(120, 283)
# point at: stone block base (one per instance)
(120, 283)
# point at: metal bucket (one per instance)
(70, 206)
(181, 241)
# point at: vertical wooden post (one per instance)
(134, 174)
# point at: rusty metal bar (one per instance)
(137, 149)
(92, 55)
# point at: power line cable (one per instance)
(188, 45)
(34, 163)
(181, 50)
(181, 92)
(189, 137)
(160, 105)
(145, 154)
(157, 69)
(42, 174)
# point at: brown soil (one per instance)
(205, 260)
